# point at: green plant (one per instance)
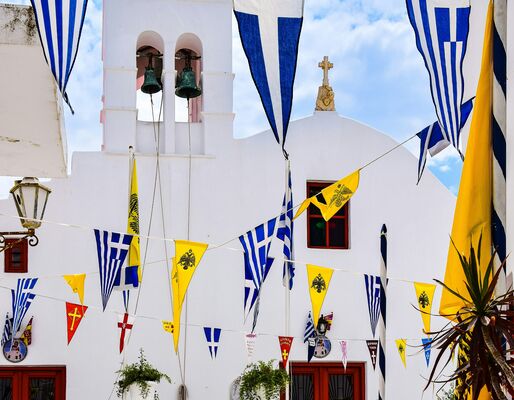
(262, 375)
(139, 373)
(446, 394)
(478, 330)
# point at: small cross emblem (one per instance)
(285, 354)
(74, 315)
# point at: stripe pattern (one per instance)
(383, 319)
(60, 26)
(256, 244)
(441, 38)
(7, 333)
(309, 329)
(499, 129)
(270, 33)
(22, 298)
(112, 249)
(212, 336)
(285, 230)
(373, 295)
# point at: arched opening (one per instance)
(188, 52)
(150, 48)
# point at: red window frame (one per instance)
(321, 371)
(21, 377)
(313, 212)
(23, 248)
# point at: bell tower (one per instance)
(189, 40)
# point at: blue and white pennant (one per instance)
(212, 336)
(373, 295)
(112, 249)
(285, 230)
(22, 298)
(270, 33)
(7, 333)
(60, 26)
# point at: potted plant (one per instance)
(262, 381)
(135, 380)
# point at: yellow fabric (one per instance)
(425, 298)
(318, 280)
(76, 283)
(335, 196)
(168, 326)
(134, 255)
(401, 345)
(187, 258)
(473, 210)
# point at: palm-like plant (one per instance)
(478, 328)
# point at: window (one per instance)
(33, 383)
(16, 256)
(333, 234)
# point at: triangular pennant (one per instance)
(125, 322)
(187, 258)
(22, 298)
(76, 283)
(401, 345)
(373, 295)
(372, 347)
(74, 315)
(425, 296)
(335, 196)
(318, 281)
(311, 342)
(250, 339)
(26, 336)
(285, 348)
(167, 326)
(212, 336)
(329, 318)
(344, 351)
(310, 331)
(427, 346)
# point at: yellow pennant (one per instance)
(401, 345)
(335, 196)
(134, 255)
(176, 304)
(425, 297)
(318, 280)
(76, 283)
(168, 326)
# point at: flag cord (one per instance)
(387, 152)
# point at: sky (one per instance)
(378, 77)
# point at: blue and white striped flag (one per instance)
(270, 33)
(256, 244)
(441, 28)
(285, 230)
(7, 333)
(21, 300)
(309, 329)
(112, 249)
(212, 335)
(60, 25)
(373, 295)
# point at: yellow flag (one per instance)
(318, 280)
(76, 283)
(335, 196)
(473, 210)
(134, 255)
(168, 326)
(401, 345)
(187, 257)
(425, 296)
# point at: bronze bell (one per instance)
(186, 84)
(150, 85)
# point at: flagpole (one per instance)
(287, 291)
(382, 319)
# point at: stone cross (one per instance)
(325, 65)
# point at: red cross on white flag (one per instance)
(125, 322)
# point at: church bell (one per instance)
(150, 85)
(186, 86)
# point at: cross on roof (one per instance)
(325, 65)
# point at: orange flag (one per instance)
(74, 315)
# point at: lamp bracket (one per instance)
(29, 234)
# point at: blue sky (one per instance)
(378, 76)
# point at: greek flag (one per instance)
(373, 295)
(285, 231)
(256, 244)
(112, 249)
(7, 334)
(60, 25)
(21, 300)
(270, 32)
(309, 329)
(441, 30)
(212, 335)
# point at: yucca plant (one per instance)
(479, 329)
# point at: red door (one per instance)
(33, 383)
(327, 381)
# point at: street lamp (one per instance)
(30, 198)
